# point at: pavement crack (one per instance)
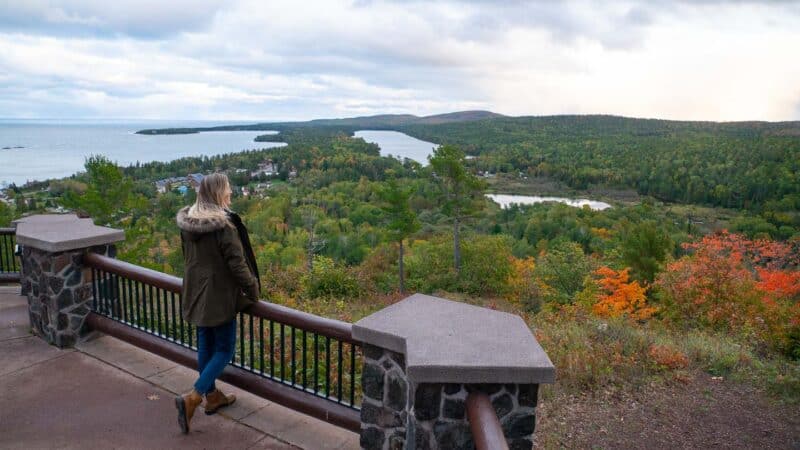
(38, 363)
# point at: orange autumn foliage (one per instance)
(734, 284)
(619, 296)
(779, 283)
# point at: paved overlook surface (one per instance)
(109, 394)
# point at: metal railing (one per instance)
(9, 265)
(316, 357)
(484, 424)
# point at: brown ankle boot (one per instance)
(216, 400)
(186, 404)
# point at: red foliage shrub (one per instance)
(667, 357)
(734, 284)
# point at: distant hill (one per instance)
(379, 121)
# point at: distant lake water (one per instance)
(399, 144)
(55, 149)
(505, 200)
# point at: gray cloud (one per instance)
(146, 19)
(269, 60)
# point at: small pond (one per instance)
(504, 200)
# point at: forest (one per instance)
(619, 298)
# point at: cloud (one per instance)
(142, 18)
(276, 60)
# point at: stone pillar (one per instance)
(53, 277)
(422, 358)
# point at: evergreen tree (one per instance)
(402, 220)
(462, 192)
(644, 249)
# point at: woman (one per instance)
(221, 278)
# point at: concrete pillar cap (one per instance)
(451, 342)
(61, 232)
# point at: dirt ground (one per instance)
(701, 412)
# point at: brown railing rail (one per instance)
(320, 325)
(9, 267)
(484, 424)
(300, 360)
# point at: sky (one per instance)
(296, 60)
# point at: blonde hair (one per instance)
(210, 201)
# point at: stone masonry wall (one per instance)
(439, 419)
(386, 402)
(396, 414)
(59, 292)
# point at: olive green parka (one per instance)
(218, 281)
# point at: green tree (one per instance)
(21, 206)
(644, 249)
(462, 192)
(6, 215)
(402, 220)
(108, 191)
(562, 268)
(310, 216)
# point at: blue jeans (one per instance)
(215, 349)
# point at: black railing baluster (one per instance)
(261, 341)
(118, 296)
(107, 295)
(124, 297)
(352, 374)
(139, 305)
(252, 338)
(283, 350)
(293, 361)
(150, 303)
(161, 311)
(272, 348)
(114, 297)
(180, 319)
(339, 373)
(94, 289)
(241, 339)
(5, 266)
(173, 326)
(129, 297)
(316, 363)
(161, 307)
(327, 366)
(7, 263)
(12, 241)
(169, 316)
(101, 292)
(304, 359)
(8, 254)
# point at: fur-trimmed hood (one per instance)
(200, 225)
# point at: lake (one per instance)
(399, 144)
(57, 148)
(504, 200)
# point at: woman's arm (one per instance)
(232, 251)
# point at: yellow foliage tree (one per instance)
(521, 283)
(618, 296)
